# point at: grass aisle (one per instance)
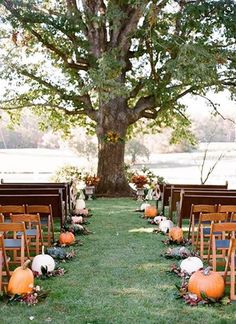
(117, 277)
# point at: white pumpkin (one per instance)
(43, 260)
(165, 225)
(191, 264)
(77, 219)
(158, 219)
(80, 204)
(143, 206)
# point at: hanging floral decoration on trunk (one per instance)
(113, 137)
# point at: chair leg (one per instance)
(52, 230)
(22, 251)
(213, 254)
(37, 242)
(49, 232)
(1, 262)
(193, 232)
(232, 277)
(201, 244)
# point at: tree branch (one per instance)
(82, 63)
(189, 90)
(96, 28)
(136, 90)
(214, 107)
(60, 91)
(145, 107)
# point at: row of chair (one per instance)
(21, 234)
(45, 212)
(230, 210)
(213, 233)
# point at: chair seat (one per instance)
(196, 222)
(12, 243)
(207, 231)
(222, 244)
(29, 232)
(44, 221)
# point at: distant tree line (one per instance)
(28, 135)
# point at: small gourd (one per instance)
(176, 234)
(150, 212)
(191, 264)
(66, 238)
(208, 282)
(57, 252)
(43, 260)
(166, 225)
(159, 219)
(84, 212)
(143, 206)
(80, 204)
(77, 219)
(21, 281)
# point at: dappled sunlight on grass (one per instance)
(130, 291)
(150, 266)
(142, 230)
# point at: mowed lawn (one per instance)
(117, 277)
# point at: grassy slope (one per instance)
(117, 277)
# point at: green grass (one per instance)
(116, 277)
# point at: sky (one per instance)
(199, 106)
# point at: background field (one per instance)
(38, 164)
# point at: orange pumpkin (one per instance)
(21, 281)
(66, 238)
(210, 283)
(176, 234)
(150, 212)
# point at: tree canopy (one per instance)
(107, 65)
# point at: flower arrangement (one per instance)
(91, 180)
(139, 180)
(138, 176)
(113, 137)
(67, 173)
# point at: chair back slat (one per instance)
(12, 209)
(213, 217)
(223, 227)
(44, 209)
(226, 208)
(26, 218)
(14, 227)
(203, 208)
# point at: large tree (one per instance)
(115, 66)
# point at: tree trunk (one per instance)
(111, 152)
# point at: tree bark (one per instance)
(111, 165)
(111, 170)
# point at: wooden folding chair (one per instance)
(229, 209)
(6, 210)
(221, 244)
(230, 268)
(3, 264)
(45, 212)
(204, 230)
(194, 217)
(33, 229)
(14, 244)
